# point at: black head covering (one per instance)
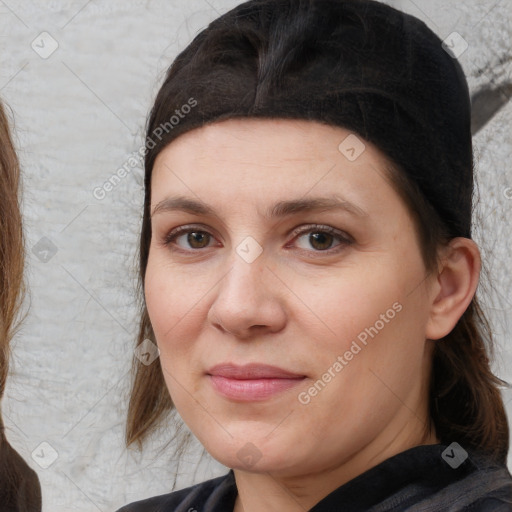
(358, 64)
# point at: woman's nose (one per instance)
(250, 299)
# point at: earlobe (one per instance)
(457, 280)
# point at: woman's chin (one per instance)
(252, 461)
(250, 452)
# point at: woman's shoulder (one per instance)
(213, 495)
(433, 478)
(20, 489)
(491, 485)
(496, 491)
(478, 484)
(492, 505)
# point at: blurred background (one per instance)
(79, 78)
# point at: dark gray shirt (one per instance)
(426, 478)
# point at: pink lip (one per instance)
(251, 382)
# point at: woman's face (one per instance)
(269, 271)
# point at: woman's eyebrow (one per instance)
(279, 209)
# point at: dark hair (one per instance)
(11, 245)
(384, 75)
(19, 484)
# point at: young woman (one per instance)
(19, 486)
(308, 270)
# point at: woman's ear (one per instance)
(454, 287)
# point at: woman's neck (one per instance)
(264, 491)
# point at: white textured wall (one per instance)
(80, 114)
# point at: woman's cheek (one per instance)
(345, 307)
(162, 293)
(173, 314)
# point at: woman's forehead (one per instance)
(220, 169)
(274, 147)
(270, 139)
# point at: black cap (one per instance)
(359, 64)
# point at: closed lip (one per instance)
(252, 371)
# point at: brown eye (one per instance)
(198, 239)
(316, 239)
(321, 238)
(320, 241)
(188, 238)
